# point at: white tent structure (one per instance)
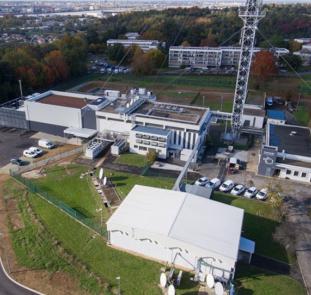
(191, 232)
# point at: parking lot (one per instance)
(13, 142)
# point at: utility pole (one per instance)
(251, 14)
(21, 88)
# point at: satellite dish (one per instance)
(163, 280)
(171, 290)
(101, 173)
(105, 180)
(219, 289)
(210, 282)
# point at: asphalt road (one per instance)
(7, 287)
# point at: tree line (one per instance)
(41, 67)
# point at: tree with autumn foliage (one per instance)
(264, 66)
(57, 66)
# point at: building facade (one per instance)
(145, 45)
(205, 57)
(286, 152)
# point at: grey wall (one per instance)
(13, 118)
(47, 128)
(267, 161)
(88, 118)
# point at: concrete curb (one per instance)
(17, 283)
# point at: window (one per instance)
(162, 139)
(139, 141)
(288, 172)
(303, 174)
(138, 135)
(146, 136)
(296, 173)
(142, 148)
(146, 142)
(154, 138)
(135, 146)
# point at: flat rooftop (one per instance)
(171, 112)
(293, 163)
(293, 139)
(64, 101)
(184, 217)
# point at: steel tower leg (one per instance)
(250, 14)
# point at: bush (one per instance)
(151, 156)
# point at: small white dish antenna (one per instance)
(210, 282)
(219, 289)
(163, 280)
(171, 290)
(105, 180)
(101, 173)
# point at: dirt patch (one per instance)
(33, 174)
(58, 283)
(58, 150)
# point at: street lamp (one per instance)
(119, 285)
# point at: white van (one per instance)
(46, 144)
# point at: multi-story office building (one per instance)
(205, 57)
(145, 45)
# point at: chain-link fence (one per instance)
(78, 216)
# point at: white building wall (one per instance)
(295, 173)
(168, 250)
(52, 114)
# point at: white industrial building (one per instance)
(145, 45)
(205, 57)
(54, 111)
(182, 229)
(286, 152)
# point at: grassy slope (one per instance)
(131, 160)
(138, 276)
(259, 225)
(34, 247)
(252, 280)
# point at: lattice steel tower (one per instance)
(251, 14)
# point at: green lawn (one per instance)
(260, 222)
(131, 160)
(64, 183)
(302, 115)
(252, 280)
(125, 181)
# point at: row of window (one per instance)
(152, 137)
(152, 143)
(143, 148)
(296, 173)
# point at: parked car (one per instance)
(227, 186)
(16, 161)
(201, 181)
(29, 154)
(214, 183)
(46, 144)
(36, 150)
(238, 189)
(262, 194)
(250, 192)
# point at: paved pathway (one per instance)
(8, 287)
